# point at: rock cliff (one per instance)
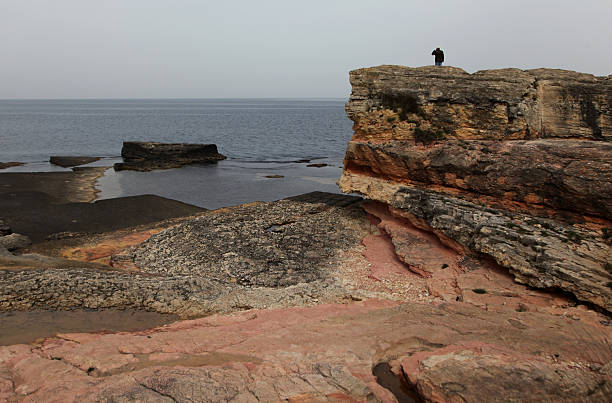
(512, 164)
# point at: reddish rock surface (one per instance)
(324, 353)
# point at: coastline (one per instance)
(324, 296)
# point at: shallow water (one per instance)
(261, 138)
(251, 129)
(223, 184)
(26, 327)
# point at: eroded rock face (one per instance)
(570, 175)
(513, 164)
(147, 156)
(390, 102)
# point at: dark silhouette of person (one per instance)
(439, 56)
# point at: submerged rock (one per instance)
(147, 156)
(72, 161)
(10, 164)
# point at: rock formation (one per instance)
(257, 255)
(325, 297)
(328, 304)
(147, 156)
(512, 164)
(72, 161)
(10, 164)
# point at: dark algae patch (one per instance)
(426, 136)
(403, 104)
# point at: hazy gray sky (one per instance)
(279, 48)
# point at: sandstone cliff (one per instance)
(512, 164)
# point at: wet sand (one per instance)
(77, 185)
(26, 327)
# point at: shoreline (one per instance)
(325, 296)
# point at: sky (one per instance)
(279, 48)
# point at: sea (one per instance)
(260, 137)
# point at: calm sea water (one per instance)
(252, 129)
(260, 137)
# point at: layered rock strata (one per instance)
(512, 164)
(147, 156)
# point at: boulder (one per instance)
(147, 156)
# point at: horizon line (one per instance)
(167, 98)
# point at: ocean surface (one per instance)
(260, 137)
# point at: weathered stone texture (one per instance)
(573, 175)
(509, 163)
(390, 102)
(266, 244)
(14, 241)
(257, 255)
(147, 156)
(448, 352)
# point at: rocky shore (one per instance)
(476, 268)
(512, 164)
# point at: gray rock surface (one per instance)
(4, 252)
(253, 256)
(265, 244)
(539, 252)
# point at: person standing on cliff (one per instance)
(439, 56)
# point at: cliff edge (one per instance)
(512, 164)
